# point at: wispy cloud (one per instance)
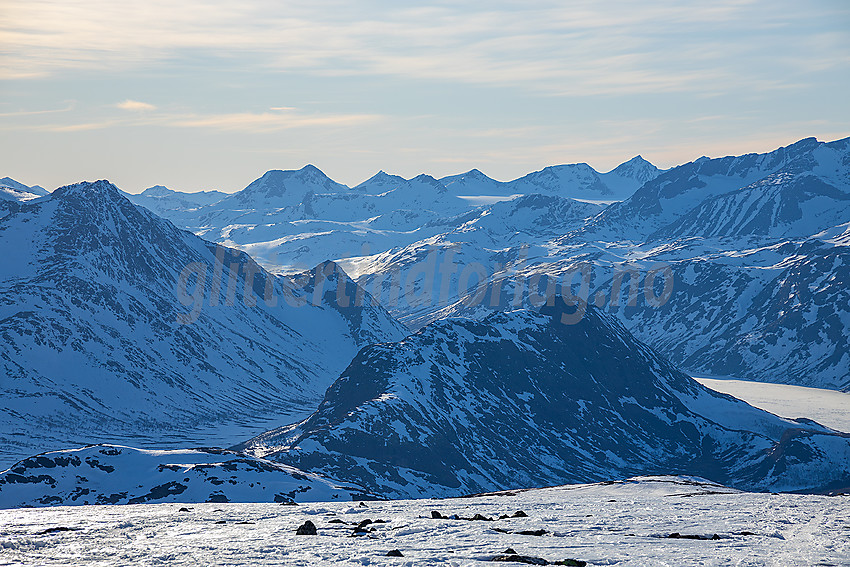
(268, 121)
(67, 108)
(135, 105)
(584, 47)
(255, 122)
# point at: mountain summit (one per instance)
(520, 399)
(94, 306)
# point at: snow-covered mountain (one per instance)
(166, 202)
(574, 181)
(729, 228)
(521, 399)
(112, 474)
(296, 218)
(732, 256)
(118, 326)
(674, 193)
(580, 181)
(11, 190)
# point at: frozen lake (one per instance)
(827, 407)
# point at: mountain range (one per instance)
(101, 340)
(437, 325)
(521, 399)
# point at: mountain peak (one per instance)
(382, 177)
(295, 183)
(9, 182)
(89, 189)
(636, 168)
(312, 169)
(425, 179)
(157, 191)
(811, 141)
(637, 160)
(558, 403)
(37, 190)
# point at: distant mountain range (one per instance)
(289, 220)
(164, 202)
(11, 190)
(238, 313)
(737, 232)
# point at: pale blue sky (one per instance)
(209, 95)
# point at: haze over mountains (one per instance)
(235, 314)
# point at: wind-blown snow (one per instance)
(623, 523)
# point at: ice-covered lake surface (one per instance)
(623, 523)
(828, 407)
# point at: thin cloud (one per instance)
(37, 112)
(268, 122)
(239, 121)
(135, 105)
(587, 48)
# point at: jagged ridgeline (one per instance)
(522, 399)
(104, 340)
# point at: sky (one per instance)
(201, 95)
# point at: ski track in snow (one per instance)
(827, 407)
(603, 524)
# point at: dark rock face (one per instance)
(520, 399)
(785, 321)
(307, 528)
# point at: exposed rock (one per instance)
(677, 535)
(513, 558)
(307, 528)
(57, 530)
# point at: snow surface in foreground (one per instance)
(828, 407)
(624, 523)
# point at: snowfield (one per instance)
(827, 407)
(622, 523)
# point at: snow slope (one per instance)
(674, 192)
(622, 523)
(102, 341)
(11, 190)
(522, 399)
